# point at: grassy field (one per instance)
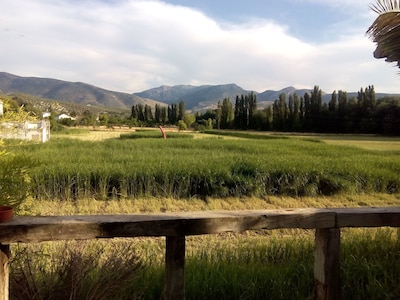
(369, 142)
(251, 165)
(363, 141)
(274, 264)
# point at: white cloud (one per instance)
(135, 45)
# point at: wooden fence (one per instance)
(175, 226)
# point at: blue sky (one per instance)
(305, 20)
(134, 45)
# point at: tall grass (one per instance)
(276, 268)
(263, 265)
(145, 134)
(74, 270)
(186, 168)
(371, 264)
(281, 267)
(72, 131)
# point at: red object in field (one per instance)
(6, 213)
(163, 132)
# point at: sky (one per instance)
(134, 45)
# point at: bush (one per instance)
(182, 125)
(14, 178)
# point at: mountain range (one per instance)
(196, 98)
(75, 92)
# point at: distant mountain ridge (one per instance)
(196, 98)
(207, 96)
(75, 92)
(271, 95)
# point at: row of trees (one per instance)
(342, 114)
(162, 115)
(307, 113)
(362, 113)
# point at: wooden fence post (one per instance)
(4, 271)
(175, 268)
(327, 264)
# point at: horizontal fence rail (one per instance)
(175, 226)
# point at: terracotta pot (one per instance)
(6, 213)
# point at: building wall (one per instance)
(33, 131)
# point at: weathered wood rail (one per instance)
(175, 226)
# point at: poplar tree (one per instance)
(241, 109)
(148, 115)
(163, 115)
(269, 116)
(296, 123)
(157, 113)
(218, 115)
(134, 112)
(366, 106)
(181, 110)
(290, 112)
(342, 111)
(280, 112)
(243, 112)
(251, 100)
(173, 113)
(227, 114)
(315, 109)
(237, 113)
(140, 112)
(332, 106)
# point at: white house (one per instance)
(46, 114)
(65, 116)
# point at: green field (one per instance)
(253, 165)
(79, 174)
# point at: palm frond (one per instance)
(385, 30)
(384, 6)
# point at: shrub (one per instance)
(182, 125)
(14, 178)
